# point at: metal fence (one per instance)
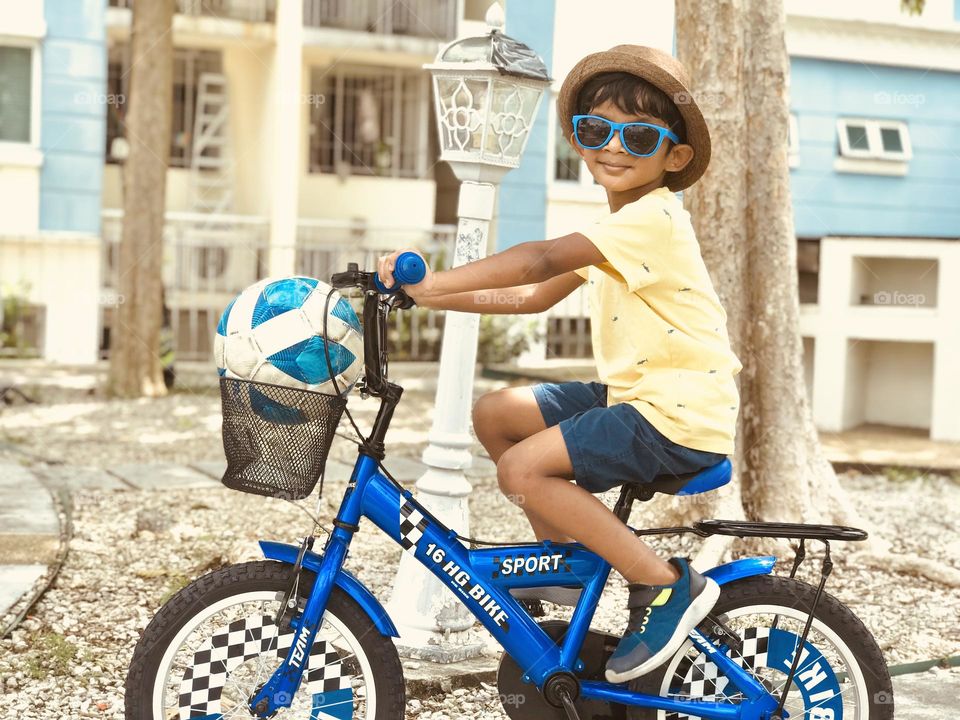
(433, 19)
(209, 259)
(249, 10)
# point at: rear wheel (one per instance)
(841, 673)
(215, 643)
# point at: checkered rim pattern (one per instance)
(243, 640)
(412, 525)
(699, 678)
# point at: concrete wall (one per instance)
(922, 203)
(73, 115)
(892, 362)
(523, 194)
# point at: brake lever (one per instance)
(402, 301)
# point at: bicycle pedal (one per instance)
(712, 627)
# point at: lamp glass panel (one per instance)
(462, 112)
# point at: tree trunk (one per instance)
(743, 216)
(135, 337)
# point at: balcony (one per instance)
(428, 19)
(208, 259)
(245, 10)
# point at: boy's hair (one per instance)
(633, 95)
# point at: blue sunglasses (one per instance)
(637, 138)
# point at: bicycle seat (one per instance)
(689, 483)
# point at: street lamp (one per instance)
(487, 90)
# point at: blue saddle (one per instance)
(702, 481)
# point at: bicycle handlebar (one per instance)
(409, 270)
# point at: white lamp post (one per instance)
(487, 91)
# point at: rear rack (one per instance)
(743, 528)
(740, 528)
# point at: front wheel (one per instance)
(841, 674)
(214, 644)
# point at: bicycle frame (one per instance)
(482, 579)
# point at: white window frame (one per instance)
(27, 152)
(584, 189)
(420, 120)
(874, 149)
(793, 141)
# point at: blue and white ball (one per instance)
(273, 332)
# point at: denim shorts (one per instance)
(609, 446)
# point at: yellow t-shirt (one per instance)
(658, 330)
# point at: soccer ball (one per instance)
(273, 332)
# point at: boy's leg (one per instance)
(536, 473)
(503, 418)
(666, 599)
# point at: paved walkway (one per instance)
(30, 530)
(29, 536)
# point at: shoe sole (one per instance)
(698, 610)
(556, 595)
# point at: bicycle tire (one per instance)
(771, 591)
(264, 579)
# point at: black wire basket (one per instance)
(276, 438)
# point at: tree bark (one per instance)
(743, 216)
(135, 368)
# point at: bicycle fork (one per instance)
(279, 690)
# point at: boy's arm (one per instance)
(517, 300)
(526, 263)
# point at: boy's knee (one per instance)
(512, 477)
(486, 409)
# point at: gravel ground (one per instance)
(131, 549)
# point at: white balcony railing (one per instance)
(248, 10)
(432, 19)
(209, 259)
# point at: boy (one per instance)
(667, 402)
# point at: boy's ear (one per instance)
(576, 145)
(679, 157)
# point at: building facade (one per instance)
(302, 134)
(874, 144)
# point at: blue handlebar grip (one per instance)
(408, 270)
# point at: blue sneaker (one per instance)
(661, 617)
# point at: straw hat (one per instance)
(660, 70)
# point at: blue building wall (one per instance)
(922, 203)
(523, 194)
(73, 115)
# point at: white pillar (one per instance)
(428, 615)
(945, 423)
(285, 168)
(830, 386)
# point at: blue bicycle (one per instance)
(298, 636)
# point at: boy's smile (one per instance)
(624, 176)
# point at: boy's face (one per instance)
(616, 169)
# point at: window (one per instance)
(369, 121)
(188, 64)
(567, 163)
(874, 139)
(793, 141)
(16, 94)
